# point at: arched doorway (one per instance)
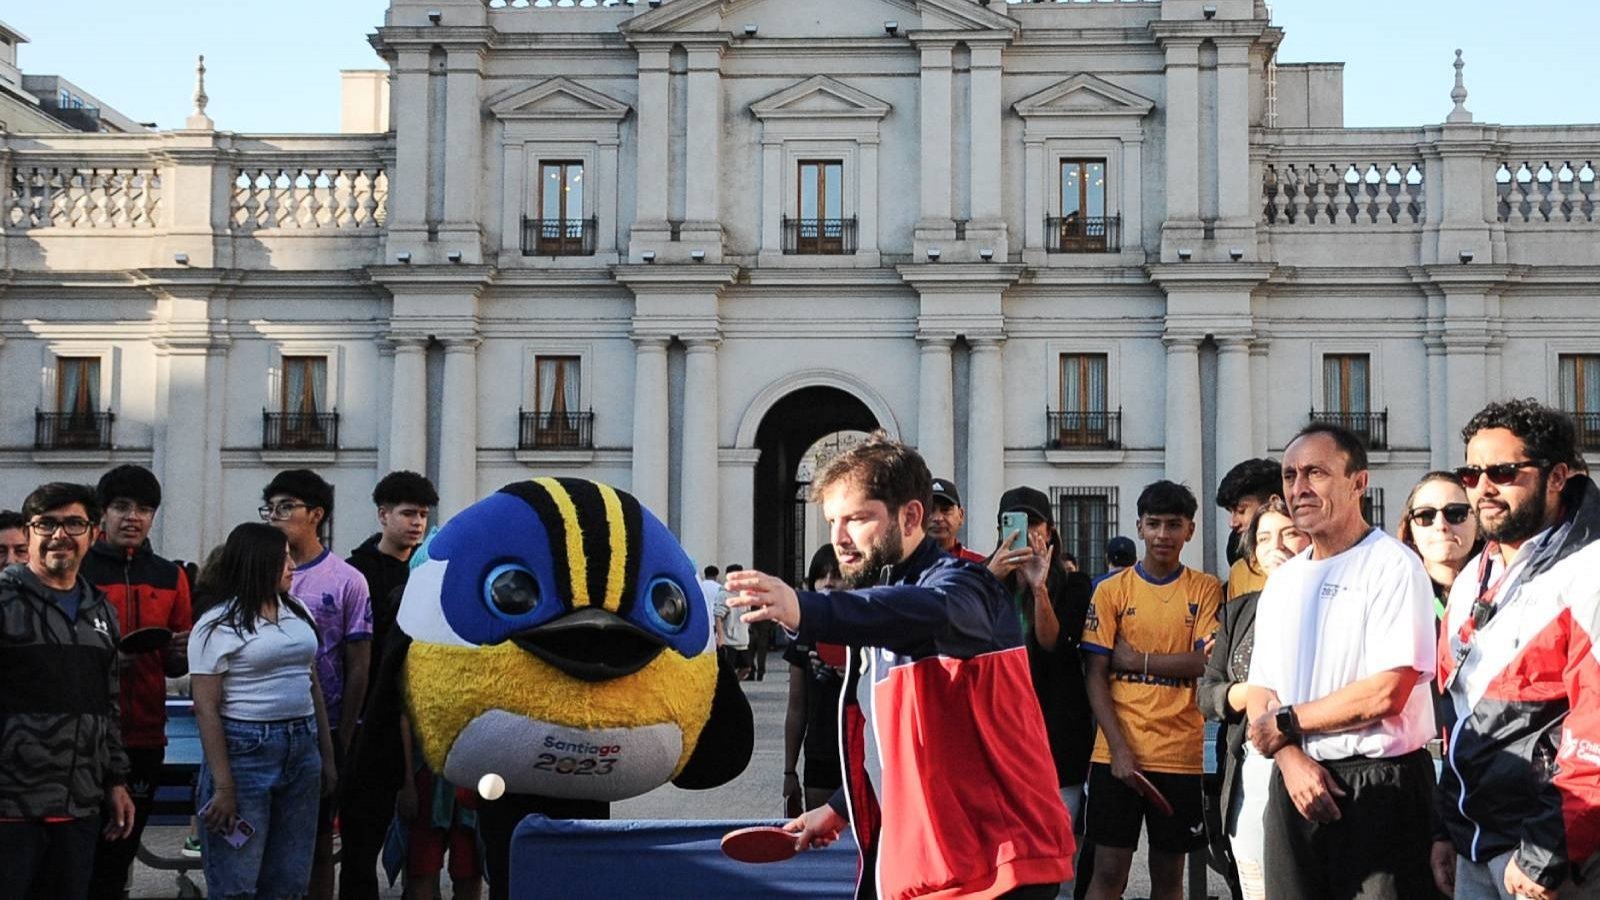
(788, 431)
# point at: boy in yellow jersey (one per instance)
(1145, 642)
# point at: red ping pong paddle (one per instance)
(760, 844)
(1149, 791)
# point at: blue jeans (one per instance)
(277, 777)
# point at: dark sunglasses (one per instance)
(1454, 513)
(1499, 473)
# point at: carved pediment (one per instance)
(1085, 95)
(820, 97)
(558, 98)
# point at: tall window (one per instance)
(561, 223)
(78, 388)
(821, 206)
(1346, 383)
(1083, 225)
(558, 421)
(1083, 419)
(1088, 517)
(1580, 395)
(305, 384)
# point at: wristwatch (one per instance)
(1288, 723)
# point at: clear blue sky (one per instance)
(274, 66)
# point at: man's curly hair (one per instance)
(1547, 434)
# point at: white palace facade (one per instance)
(672, 245)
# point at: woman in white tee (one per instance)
(268, 755)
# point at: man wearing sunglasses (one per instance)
(62, 763)
(1520, 794)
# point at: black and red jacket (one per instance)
(1522, 767)
(948, 780)
(146, 591)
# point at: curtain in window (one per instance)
(1567, 375)
(305, 383)
(78, 388)
(558, 385)
(1083, 383)
(1580, 384)
(1358, 384)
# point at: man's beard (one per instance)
(60, 565)
(885, 552)
(1522, 522)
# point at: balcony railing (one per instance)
(556, 431)
(1588, 430)
(834, 237)
(1372, 427)
(299, 431)
(559, 237)
(72, 430)
(1083, 234)
(1074, 430)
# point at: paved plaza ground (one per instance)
(755, 795)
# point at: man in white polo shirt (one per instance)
(1339, 691)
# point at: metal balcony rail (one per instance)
(1071, 429)
(556, 431)
(1588, 430)
(1083, 234)
(834, 237)
(299, 431)
(559, 237)
(72, 430)
(1372, 427)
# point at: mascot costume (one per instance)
(554, 635)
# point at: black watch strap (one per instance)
(1288, 722)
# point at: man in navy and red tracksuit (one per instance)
(147, 591)
(949, 783)
(1519, 801)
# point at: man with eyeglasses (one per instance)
(63, 769)
(297, 502)
(1519, 802)
(146, 591)
(1338, 691)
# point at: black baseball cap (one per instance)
(944, 487)
(1029, 500)
(1120, 551)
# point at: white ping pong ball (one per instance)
(491, 786)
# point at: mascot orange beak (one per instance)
(592, 645)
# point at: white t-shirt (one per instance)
(1324, 624)
(266, 676)
(711, 590)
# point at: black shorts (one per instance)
(1114, 812)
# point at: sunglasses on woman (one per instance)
(1500, 473)
(1454, 513)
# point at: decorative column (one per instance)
(986, 427)
(408, 401)
(703, 180)
(1235, 416)
(190, 359)
(1233, 138)
(1184, 462)
(1182, 184)
(984, 124)
(654, 110)
(700, 476)
(935, 406)
(936, 124)
(463, 170)
(408, 195)
(650, 423)
(458, 444)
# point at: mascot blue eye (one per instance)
(668, 606)
(511, 590)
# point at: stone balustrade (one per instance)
(308, 197)
(82, 196)
(1345, 178)
(613, 4)
(1549, 190)
(210, 197)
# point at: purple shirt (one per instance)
(336, 594)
